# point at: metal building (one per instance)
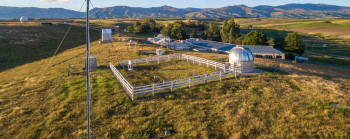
(242, 57)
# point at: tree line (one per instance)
(228, 33)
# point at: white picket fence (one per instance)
(131, 90)
(150, 59)
(203, 61)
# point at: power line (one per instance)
(59, 46)
(98, 17)
(42, 102)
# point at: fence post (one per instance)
(172, 85)
(123, 64)
(189, 82)
(187, 58)
(235, 72)
(169, 57)
(179, 56)
(146, 60)
(207, 63)
(215, 65)
(151, 60)
(220, 75)
(206, 77)
(132, 94)
(153, 89)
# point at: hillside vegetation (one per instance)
(269, 105)
(262, 11)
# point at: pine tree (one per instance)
(294, 44)
(255, 38)
(279, 42)
(230, 31)
(213, 32)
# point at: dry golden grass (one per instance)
(270, 105)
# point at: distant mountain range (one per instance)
(283, 11)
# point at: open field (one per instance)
(165, 71)
(294, 103)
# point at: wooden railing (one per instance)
(131, 90)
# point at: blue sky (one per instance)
(75, 4)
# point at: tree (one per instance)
(193, 34)
(178, 31)
(255, 38)
(149, 25)
(166, 31)
(271, 41)
(294, 44)
(213, 32)
(130, 29)
(175, 31)
(279, 42)
(230, 31)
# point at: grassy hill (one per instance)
(269, 105)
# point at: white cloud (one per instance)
(60, 1)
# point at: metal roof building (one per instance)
(258, 51)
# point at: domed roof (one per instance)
(240, 53)
(23, 19)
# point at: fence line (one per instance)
(331, 56)
(131, 90)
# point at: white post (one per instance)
(153, 89)
(169, 57)
(235, 72)
(220, 75)
(146, 60)
(172, 85)
(207, 63)
(132, 94)
(189, 83)
(187, 58)
(215, 65)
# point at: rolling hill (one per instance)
(264, 11)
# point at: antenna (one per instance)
(88, 65)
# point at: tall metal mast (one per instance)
(88, 65)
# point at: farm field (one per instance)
(294, 103)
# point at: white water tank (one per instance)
(24, 19)
(106, 35)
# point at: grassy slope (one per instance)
(267, 105)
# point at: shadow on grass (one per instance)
(38, 42)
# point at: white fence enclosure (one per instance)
(222, 71)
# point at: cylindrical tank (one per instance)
(24, 19)
(242, 58)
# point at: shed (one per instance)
(92, 62)
(106, 35)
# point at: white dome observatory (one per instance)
(24, 19)
(243, 57)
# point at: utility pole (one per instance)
(88, 65)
